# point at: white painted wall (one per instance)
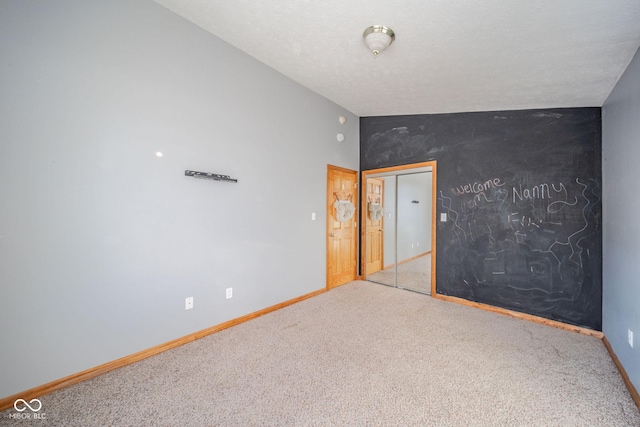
(621, 232)
(100, 240)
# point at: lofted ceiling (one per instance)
(448, 55)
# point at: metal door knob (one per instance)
(331, 235)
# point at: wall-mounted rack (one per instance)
(207, 175)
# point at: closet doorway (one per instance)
(398, 233)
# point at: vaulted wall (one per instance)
(621, 269)
(101, 241)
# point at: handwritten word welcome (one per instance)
(477, 187)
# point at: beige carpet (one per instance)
(414, 275)
(361, 355)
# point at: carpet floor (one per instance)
(360, 355)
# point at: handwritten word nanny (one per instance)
(541, 191)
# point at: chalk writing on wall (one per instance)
(522, 194)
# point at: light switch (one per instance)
(313, 216)
(443, 217)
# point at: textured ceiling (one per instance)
(448, 56)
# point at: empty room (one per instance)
(319, 213)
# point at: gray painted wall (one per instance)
(414, 219)
(100, 240)
(621, 253)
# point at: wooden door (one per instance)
(374, 259)
(342, 241)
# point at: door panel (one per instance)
(414, 194)
(342, 240)
(374, 259)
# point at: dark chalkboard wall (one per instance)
(522, 194)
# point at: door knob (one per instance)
(331, 235)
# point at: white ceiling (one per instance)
(448, 56)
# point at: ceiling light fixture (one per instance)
(378, 38)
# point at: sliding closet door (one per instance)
(414, 231)
(397, 237)
(379, 256)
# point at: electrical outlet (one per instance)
(443, 217)
(229, 293)
(630, 337)
(188, 303)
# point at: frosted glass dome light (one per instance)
(378, 38)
